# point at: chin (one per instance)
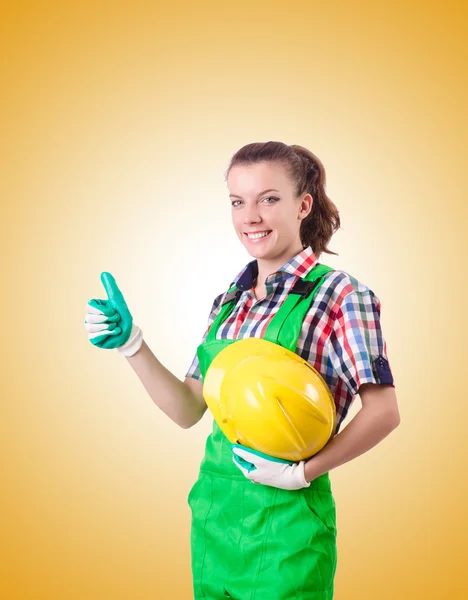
(260, 252)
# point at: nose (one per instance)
(251, 214)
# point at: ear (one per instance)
(306, 206)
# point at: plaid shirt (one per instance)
(341, 335)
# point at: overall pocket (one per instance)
(319, 505)
(192, 492)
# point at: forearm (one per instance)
(168, 392)
(369, 427)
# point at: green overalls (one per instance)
(255, 541)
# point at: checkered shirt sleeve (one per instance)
(356, 347)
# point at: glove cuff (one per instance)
(302, 471)
(134, 342)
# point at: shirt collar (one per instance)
(298, 266)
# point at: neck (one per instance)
(267, 266)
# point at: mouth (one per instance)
(258, 238)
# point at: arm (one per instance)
(378, 416)
(181, 401)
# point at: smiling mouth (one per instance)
(257, 239)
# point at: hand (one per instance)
(276, 472)
(102, 317)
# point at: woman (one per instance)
(275, 540)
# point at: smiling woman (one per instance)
(275, 539)
(284, 218)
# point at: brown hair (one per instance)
(308, 176)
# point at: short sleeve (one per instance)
(356, 346)
(194, 369)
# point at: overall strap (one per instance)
(285, 327)
(230, 300)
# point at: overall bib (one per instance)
(252, 541)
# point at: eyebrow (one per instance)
(264, 192)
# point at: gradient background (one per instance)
(118, 121)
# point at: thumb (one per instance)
(111, 287)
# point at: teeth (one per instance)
(255, 236)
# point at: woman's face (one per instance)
(262, 198)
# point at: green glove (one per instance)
(109, 322)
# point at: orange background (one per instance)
(118, 120)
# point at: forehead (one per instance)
(251, 179)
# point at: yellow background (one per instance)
(118, 120)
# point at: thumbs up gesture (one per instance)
(109, 323)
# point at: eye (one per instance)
(274, 198)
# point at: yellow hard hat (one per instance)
(268, 398)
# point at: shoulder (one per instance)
(343, 293)
(338, 284)
(217, 301)
(216, 304)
